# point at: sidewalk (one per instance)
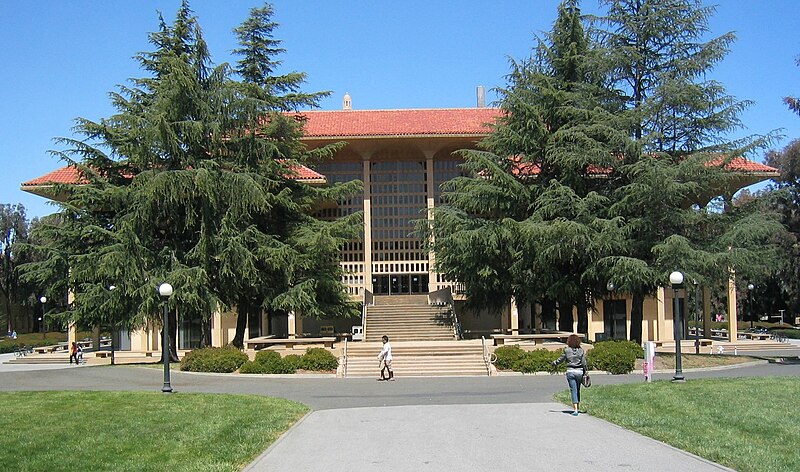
(527, 436)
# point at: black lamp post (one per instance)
(165, 291)
(111, 288)
(750, 288)
(696, 316)
(43, 300)
(676, 279)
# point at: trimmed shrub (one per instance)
(213, 359)
(507, 356)
(539, 360)
(789, 333)
(612, 357)
(317, 358)
(265, 356)
(294, 361)
(9, 345)
(636, 349)
(270, 362)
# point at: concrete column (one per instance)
(433, 283)
(291, 325)
(733, 322)
(706, 312)
(72, 330)
(514, 316)
(662, 333)
(366, 172)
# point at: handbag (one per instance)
(586, 381)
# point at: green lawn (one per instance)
(748, 424)
(138, 431)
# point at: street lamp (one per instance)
(165, 291)
(43, 300)
(696, 316)
(750, 288)
(610, 286)
(111, 288)
(676, 279)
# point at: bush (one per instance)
(9, 345)
(317, 358)
(789, 333)
(269, 362)
(613, 357)
(213, 359)
(636, 349)
(294, 361)
(507, 356)
(539, 360)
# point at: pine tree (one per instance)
(680, 121)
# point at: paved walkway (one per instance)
(445, 438)
(417, 424)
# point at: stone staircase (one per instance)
(407, 318)
(418, 359)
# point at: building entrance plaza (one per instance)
(403, 157)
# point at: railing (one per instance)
(369, 300)
(489, 358)
(444, 297)
(344, 360)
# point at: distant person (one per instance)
(14, 334)
(79, 357)
(385, 358)
(575, 357)
(73, 352)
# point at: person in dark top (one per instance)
(575, 358)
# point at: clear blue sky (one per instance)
(60, 59)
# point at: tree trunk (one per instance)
(242, 309)
(583, 316)
(205, 331)
(9, 318)
(548, 313)
(637, 317)
(173, 336)
(566, 321)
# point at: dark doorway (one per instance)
(615, 319)
(400, 284)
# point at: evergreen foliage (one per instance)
(193, 181)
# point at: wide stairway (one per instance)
(407, 318)
(418, 359)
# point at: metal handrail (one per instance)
(489, 358)
(344, 360)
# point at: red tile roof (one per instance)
(736, 164)
(71, 175)
(373, 123)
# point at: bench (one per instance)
(756, 336)
(49, 349)
(703, 342)
(264, 341)
(500, 339)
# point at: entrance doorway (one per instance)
(400, 284)
(615, 319)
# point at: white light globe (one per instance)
(165, 290)
(676, 278)
(43, 299)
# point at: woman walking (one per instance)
(575, 357)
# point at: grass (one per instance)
(748, 424)
(666, 361)
(138, 431)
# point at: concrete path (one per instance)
(418, 424)
(445, 438)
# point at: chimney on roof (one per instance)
(481, 97)
(347, 104)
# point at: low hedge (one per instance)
(8, 346)
(538, 360)
(613, 357)
(270, 362)
(789, 333)
(507, 356)
(636, 349)
(213, 359)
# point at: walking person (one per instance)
(575, 358)
(385, 358)
(73, 352)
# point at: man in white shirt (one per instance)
(385, 358)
